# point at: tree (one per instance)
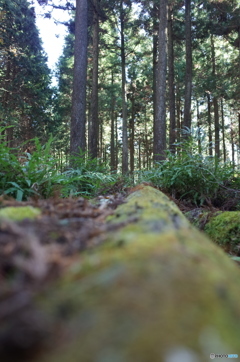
(124, 83)
(124, 95)
(24, 77)
(94, 122)
(78, 116)
(171, 80)
(159, 143)
(188, 76)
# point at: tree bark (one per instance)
(159, 142)
(172, 132)
(78, 116)
(223, 132)
(215, 103)
(154, 59)
(239, 125)
(188, 75)
(209, 117)
(112, 145)
(139, 154)
(132, 127)
(232, 143)
(116, 140)
(94, 123)
(178, 106)
(199, 130)
(216, 124)
(124, 96)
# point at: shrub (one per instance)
(193, 176)
(37, 173)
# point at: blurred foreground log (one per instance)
(156, 290)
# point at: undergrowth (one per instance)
(193, 176)
(187, 175)
(37, 174)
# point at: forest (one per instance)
(108, 173)
(154, 88)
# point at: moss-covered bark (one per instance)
(19, 213)
(222, 227)
(157, 289)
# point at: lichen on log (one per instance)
(157, 289)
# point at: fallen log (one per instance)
(222, 227)
(156, 290)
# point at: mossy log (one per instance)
(223, 227)
(19, 213)
(157, 290)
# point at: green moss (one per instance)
(157, 287)
(224, 229)
(19, 213)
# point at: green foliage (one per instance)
(39, 169)
(24, 77)
(37, 173)
(85, 177)
(29, 174)
(85, 183)
(193, 176)
(10, 167)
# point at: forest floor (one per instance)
(33, 253)
(40, 249)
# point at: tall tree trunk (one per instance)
(239, 123)
(155, 62)
(159, 141)
(132, 125)
(10, 138)
(216, 124)
(78, 117)
(139, 154)
(146, 140)
(101, 140)
(88, 110)
(209, 118)
(172, 133)
(5, 99)
(94, 124)
(178, 106)
(215, 102)
(232, 143)
(188, 75)
(223, 132)
(116, 141)
(112, 145)
(124, 96)
(199, 130)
